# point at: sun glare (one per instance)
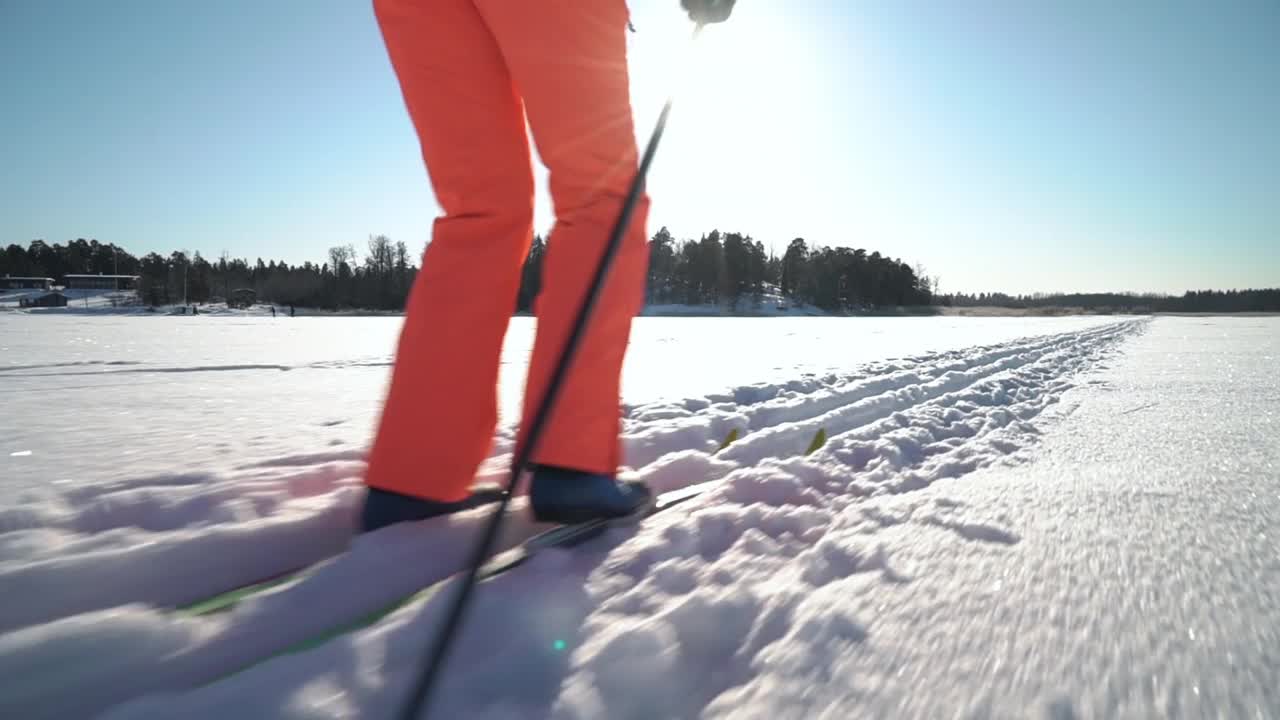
(739, 90)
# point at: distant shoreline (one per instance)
(666, 311)
(1243, 313)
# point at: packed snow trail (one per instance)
(891, 426)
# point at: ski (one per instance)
(559, 536)
(562, 536)
(571, 535)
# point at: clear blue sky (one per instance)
(1012, 145)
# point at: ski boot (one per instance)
(383, 507)
(568, 497)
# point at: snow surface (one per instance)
(116, 398)
(1070, 519)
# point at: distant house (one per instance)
(242, 298)
(102, 282)
(25, 283)
(53, 299)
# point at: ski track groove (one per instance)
(892, 427)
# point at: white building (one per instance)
(9, 282)
(102, 282)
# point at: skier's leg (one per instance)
(568, 59)
(441, 407)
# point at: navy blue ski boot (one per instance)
(568, 497)
(383, 507)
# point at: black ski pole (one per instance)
(438, 650)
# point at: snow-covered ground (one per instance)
(1032, 517)
(120, 397)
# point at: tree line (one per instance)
(41, 259)
(730, 270)
(851, 279)
(381, 281)
(1223, 301)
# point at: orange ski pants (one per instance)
(471, 72)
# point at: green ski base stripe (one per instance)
(230, 598)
